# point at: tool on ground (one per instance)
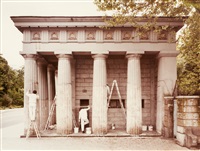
(34, 125)
(119, 95)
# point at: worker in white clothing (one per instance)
(108, 90)
(83, 117)
(33, 97)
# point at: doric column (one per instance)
(167, 75)
(30, 83)
(43, 92)
(99, 98)
(134, 109)
(51, 87)
(64, 95)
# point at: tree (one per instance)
(11, 84)
(189, 57)
(131, 11)
(128, 11)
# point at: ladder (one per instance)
(34, 125)
(119, 95)
(50, 115)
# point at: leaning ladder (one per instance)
(50, 115)
(34, 125)
(119, 95)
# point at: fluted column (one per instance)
(64, 95)
(51, 87)
(30, 83)
(43, 93)
(167, 75)
(99, 98)
(134, 109)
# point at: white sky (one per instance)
(11, 37)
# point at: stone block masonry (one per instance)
(188, 115)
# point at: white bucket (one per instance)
(144, 128)
(76, 130)
(88, 130)
(150, 128)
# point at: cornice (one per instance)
(22, 22)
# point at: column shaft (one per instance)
(43, 93)
(134, 110)
(51, 88)
(99, 99)
(30, 83)
(64, 96)
(167, 75)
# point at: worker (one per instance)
(108, 90)
(33, 97)
(83, 118)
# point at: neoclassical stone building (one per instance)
(73, 58)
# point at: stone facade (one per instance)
(188, 115)
(84, 58)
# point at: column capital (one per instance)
(64, 56)
(41, 61)
(134, 56)
(30, 56)
(100, 56)
(167, 54)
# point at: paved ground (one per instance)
(11, 141)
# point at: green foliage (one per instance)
(132, 11)
(11, 84)
(189, 57)
(6, 100)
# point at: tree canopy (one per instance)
(129, 11)
(11, 85)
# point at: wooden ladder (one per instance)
(119, 95)
(49, 119)
(34, 125)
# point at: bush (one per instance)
(6, 100)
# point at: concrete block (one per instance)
(181, 129)
(181, 139)
(191, 116)
(181, 122)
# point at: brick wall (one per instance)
(117, 70)
(149, 74)
(83, 82)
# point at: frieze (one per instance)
(90, 35)
(144, 36)
(162, 35)
(36, 36)
(108, 35)
(54, 36)
(72, 35)
(119, 35)
(126, 35)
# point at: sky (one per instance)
(11, 37)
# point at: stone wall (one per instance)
(83, 80)
(117, 70)
(167, 130)
(188, 115)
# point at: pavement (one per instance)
(11, 141)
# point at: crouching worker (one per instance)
(83, 118)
